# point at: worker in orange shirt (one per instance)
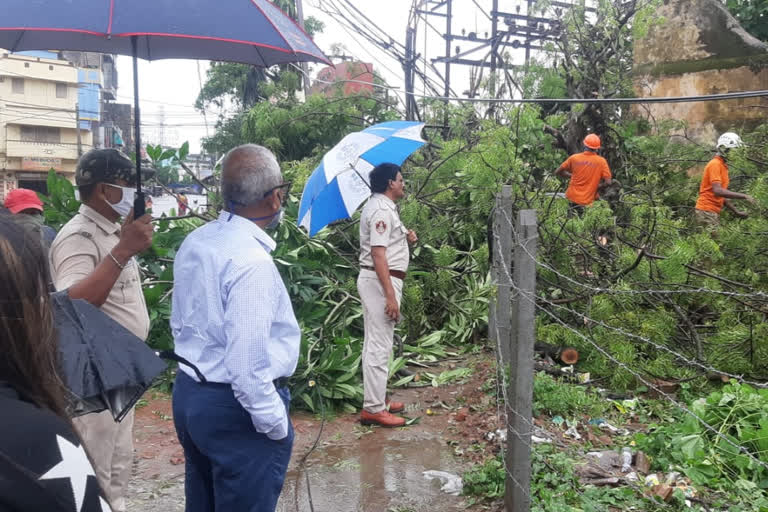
(713, 191)
(586, 170)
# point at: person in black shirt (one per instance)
(43, 465)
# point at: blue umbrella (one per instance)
(340, 183)
(248, 31)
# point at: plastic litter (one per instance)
(672, 478)
(626, 460)
(651, 480)
(451, 484)
(583, 377)
(540, 440)
(572, 432)
(607, 426)
(558, 420)
(632, 477)
(500, 434)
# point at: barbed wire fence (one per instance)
(512, 325)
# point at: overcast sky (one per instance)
(168, 88)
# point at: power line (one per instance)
(388, 47)
(668, 99)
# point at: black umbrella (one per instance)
(103, 364)
(248, 31)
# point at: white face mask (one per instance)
(276, 220)
(123, 207)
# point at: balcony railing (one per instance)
(63, 150)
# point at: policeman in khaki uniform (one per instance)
(92, 258)
(384, 259)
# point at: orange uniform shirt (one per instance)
(715, 172)
(587, 169)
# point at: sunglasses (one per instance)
(285, 188)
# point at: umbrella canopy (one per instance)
(248, 31)
(340, 183)
(102, 363)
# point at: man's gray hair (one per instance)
(247, 173)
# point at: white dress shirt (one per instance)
(232, 316)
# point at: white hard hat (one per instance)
(729, 140)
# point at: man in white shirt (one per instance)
(233, 321)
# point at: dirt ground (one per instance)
(450, 435)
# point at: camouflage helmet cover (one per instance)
(104, 166)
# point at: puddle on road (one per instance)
(380, 472)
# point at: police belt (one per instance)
(282, 382)
(394, 273)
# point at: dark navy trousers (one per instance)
(229, 466)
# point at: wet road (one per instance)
(380, 472)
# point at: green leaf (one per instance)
(184, 151)
(692, 446)
(403, 381)
(308, 401)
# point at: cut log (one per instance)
(566, 355)
(569, 356)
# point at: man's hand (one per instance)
(135, 237)
(751, 200)
(411, 236)
(392, 309)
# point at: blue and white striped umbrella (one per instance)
(340, 183)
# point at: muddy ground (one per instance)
(354, 468)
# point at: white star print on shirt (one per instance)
(75, 466)
(104, 505)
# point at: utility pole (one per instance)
(528, 42)
(304, 66)
(519, 28)
(161, 130)
(408, 68)
(494, 46)
(79, 136)
(448, 42)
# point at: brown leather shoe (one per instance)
(383, 419)
(395, 407)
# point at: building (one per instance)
(55, 106)
(345, 78)
(117, 122)
(97, 75)
(39, 128)
(701, 49)
(201, 166)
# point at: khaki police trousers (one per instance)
(379, 334)
(110, 445)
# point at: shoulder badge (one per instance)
(381, 227)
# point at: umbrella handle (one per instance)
(139, 205)
(361, 176)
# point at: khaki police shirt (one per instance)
(380, 226)
(79, 247)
